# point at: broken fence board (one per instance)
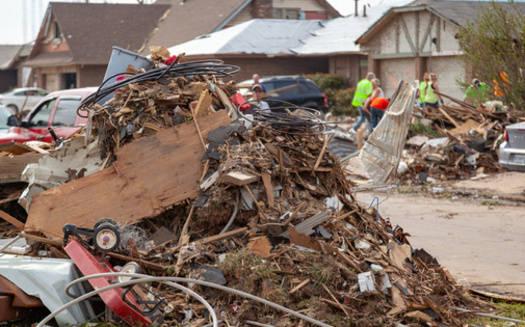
(154, 173)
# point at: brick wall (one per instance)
(91, 75)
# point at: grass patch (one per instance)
(507, 310)
(420, 128)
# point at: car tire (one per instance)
(13, 107)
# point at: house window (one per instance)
(57, 31)
(69, 80)
(287, 13)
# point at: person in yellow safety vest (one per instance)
(362, 92)
(422, 86)
(431, 98)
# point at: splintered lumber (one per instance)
(12, 220)
(153, 174)
(238, 178)
(11, 167)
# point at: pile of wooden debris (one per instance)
(455, 142)
(263, 208)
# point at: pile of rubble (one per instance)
(259, 205)
(454, 142)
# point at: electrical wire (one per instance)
(140, 278)
(232, 218)
(200, 67)
(282, 120)
(146, 278)
(481, 314)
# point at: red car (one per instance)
(57, 110)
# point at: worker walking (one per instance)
(362, 92)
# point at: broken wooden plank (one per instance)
(224, 99)
(11, 167)
(155, 173)
(455, 123)
(12, 220)
(238, 178)
(268, 187)
(203, 104)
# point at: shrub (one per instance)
(339, 95)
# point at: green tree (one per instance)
(494, 48)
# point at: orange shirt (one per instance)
(379, 103)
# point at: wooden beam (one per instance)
(12, 220)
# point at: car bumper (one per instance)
(511, 159)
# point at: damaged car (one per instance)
(55, 115)
(512, 151)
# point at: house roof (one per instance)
(91, 30)
(338, 35)
(8, 55)
(456, 12)
(192, 18)
(275, 36)
(257, 36)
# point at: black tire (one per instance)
(105, 221)
(106, 237)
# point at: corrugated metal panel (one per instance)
(381, 152)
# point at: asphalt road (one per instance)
(482, 245)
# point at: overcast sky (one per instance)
(21, 19)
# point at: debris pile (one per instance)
(260, 206)
(454, 142)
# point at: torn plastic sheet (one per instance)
(46, 278)
(382, 151)
(72, 160)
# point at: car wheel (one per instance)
(13, 107)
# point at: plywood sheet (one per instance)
(149, 175)
(11, 167)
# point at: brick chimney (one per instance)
(262, 9)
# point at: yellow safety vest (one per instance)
(431, 96)
(422, 86)
(362, 92)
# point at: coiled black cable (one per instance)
(200, 67)
(277, 119)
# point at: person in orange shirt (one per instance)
(378, 107)
(497, 90)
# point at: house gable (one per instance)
(87, 32)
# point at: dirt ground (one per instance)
(475, 228)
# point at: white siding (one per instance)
(394, 70)
(387, 39)
(448, 70)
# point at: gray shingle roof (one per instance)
(8, 55)
(91, 30)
